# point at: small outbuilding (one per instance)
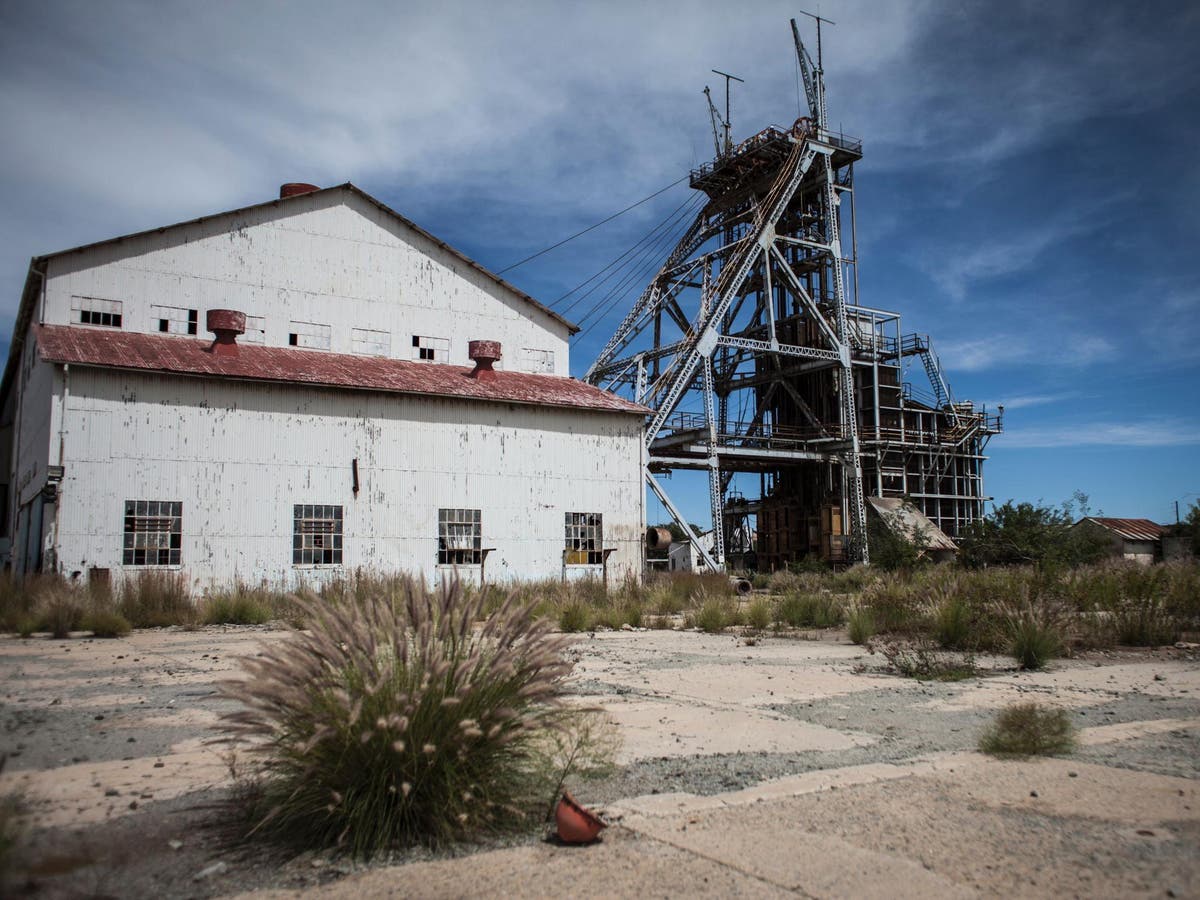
(1139, 540)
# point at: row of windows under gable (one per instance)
(100, 312)
(153, 535)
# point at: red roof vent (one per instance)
(483, 354)
(295, 189)
(226, 324)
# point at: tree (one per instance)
(1032, 534)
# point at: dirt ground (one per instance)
(788, 766)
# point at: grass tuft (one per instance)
(155, 599)
(861, 624)
(104, 623)
(1028, 729)
(399, 720)
(240, 605)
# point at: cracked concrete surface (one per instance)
(786, 767)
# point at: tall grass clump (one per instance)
(402, 720)
(810, 611)
(860, 624)
(759, 614)
(1034, 637)
(156, 598)
(715, 614)
(238, 605)
(1029, 729)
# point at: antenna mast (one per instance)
(728, 78)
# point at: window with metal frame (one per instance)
(538, 362)
(153, 533)
(430, 349)
(460, 537)
(96, 311)
(316, 535)
(175, 319)
(309, 335)
(370, 342)
(584, 539)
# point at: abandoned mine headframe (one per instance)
(754, 353)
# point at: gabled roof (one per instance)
(1130, 529)
(350, 188)
(81, 346)
(37, 265)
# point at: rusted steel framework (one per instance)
(751, 350)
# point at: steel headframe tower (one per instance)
(741, 344)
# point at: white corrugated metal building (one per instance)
(336, 421)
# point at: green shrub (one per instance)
(894, 605)
(401, 720)
(104, 623)
(156, 598)
(576, 616)
(811, 611)
(861, 625)
(715, 615)
(759, 614)
(240, 605)
(952, 623)
(1034, 641)
(1027, 729)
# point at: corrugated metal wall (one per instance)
(239, 455)
(346, 265)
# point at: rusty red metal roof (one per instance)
(1130, 529)
(187, 356)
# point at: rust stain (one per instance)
(157, 353)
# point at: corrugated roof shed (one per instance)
(186, 356)
(1130, 529)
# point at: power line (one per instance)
(593, 227)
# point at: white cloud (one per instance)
(1024, 401)
(1062, 346)
(1149, 432)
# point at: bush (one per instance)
(63, 614)
(952, 625)
(156, 598)
(894, 606)
(924, 661)
(576, 616)
(715, 615)
(1034, 640)
(861, 625)
(759, 614)
(104, 623)
(240, 605)
(811, 611)
(1027, 729)
(396, 721)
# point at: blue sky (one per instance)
(1030, 192)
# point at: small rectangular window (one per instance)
(584, 539)
(256, 330)
(96, 311)
(309, 335)
(369, 342)
(175, 319)
(316, 535)
(539, 362)
(153, 532)
(430, 349)
(460, 537)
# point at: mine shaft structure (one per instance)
(752, 353)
